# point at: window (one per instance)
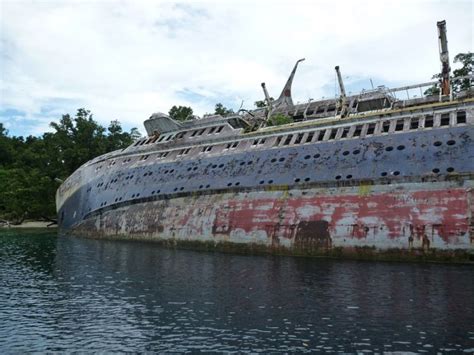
(231, 145)
(288, 140)
(299, 138)
(255, 142)
(207, 149)
(399, 126)
(414, 123)
(333, 134)
(212, 130)
(345, 132)
(194, 133)
(278, 141)
(161, 138)
(461, 117)
(180, 135)
(219, 130)
(201, 132)
(385, 126)
(321, 135)
(357, 131)
(310, 137)
(169, 137)
(444, 119)
(429, 122)
(370, 129)
(331, 107)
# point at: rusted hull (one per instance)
(310, 221)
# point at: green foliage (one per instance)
(467, 62)
(29, 166)
(262, 103)
(180, 113)
(222, 110)
(279, 119)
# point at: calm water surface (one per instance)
(60, 294)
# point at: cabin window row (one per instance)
(374, 128)
(180, 135)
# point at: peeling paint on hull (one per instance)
(309, 222)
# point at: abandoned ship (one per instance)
(357, 172)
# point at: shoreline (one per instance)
(29, 224)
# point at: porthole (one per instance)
(345, 152)
(250, 162)
(396, 173)
(435, 170)
(208, 186)
(451, 142)
(158, 191)
(316, 156)
(138, 195)
(307, 179)
(338, 177)
(153, 192)
(242, 163)
(349, 176)
(200, 186)
(437, 143)
(307, 156)
(172, 170)
(270, 181)
(355, 152)
(281, 159)
(214, 166)
(237, 183)
(181, 188)
(384, 173)
(273, 160)
(166, 171)
(450, 170)
(229, 184)
(261, 182)
(389, 149)
(195, 168)
(401, 147)
(189, 169)
(175, 189)
(133, 195)
(297, 180)
(221, 165)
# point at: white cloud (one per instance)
(126, 59)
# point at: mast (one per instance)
(342, 103)
(444, 58)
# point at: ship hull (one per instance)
(428, 216)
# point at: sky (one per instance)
(124, 60)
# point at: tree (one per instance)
(222, 110)
(29, 166)
(279, 119)
(180, 113)
(467, 61)
(262, 103)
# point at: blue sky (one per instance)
(127, 59)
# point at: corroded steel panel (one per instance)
(311, 221)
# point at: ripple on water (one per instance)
(66, 294)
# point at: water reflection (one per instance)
(77, 294)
